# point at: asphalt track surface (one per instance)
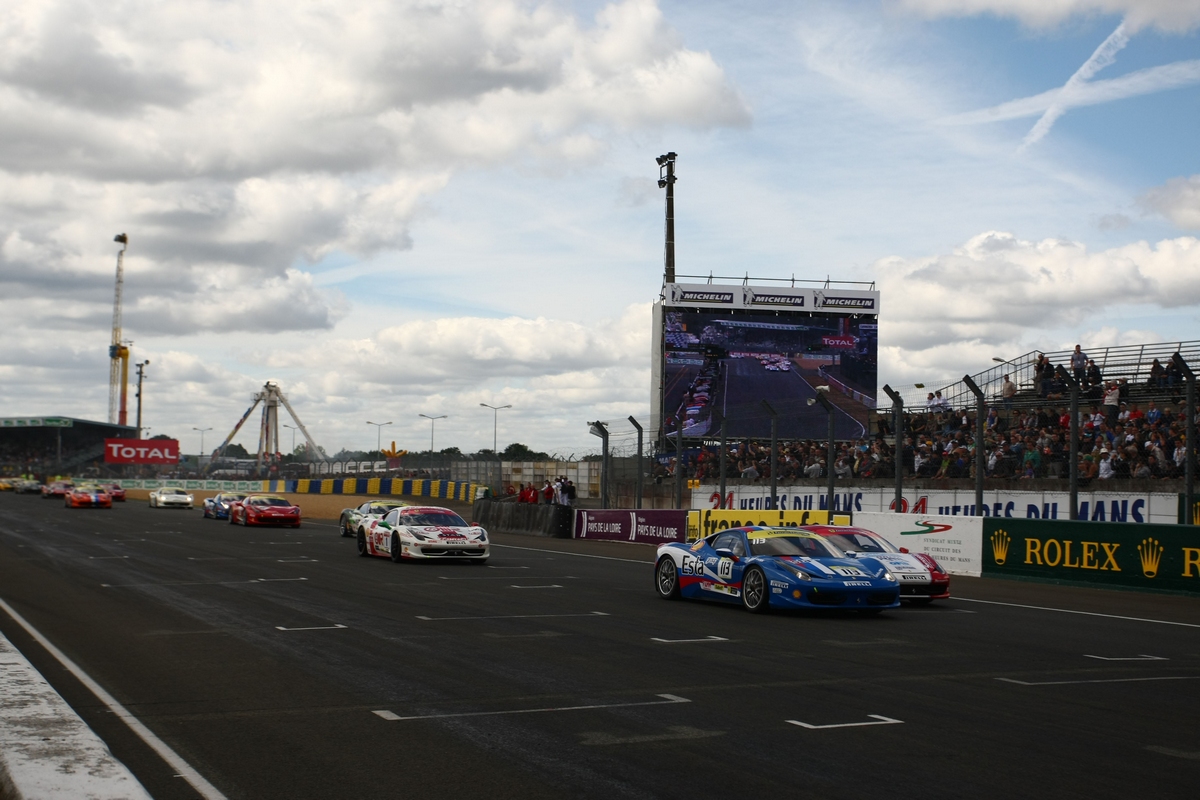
(554, 671)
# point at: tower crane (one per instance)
(118, 351)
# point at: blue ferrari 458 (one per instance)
(763, 568)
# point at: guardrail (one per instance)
(407, 487)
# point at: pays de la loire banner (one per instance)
(1094, 506)
(643, 527)
(956, 542)
(141, 451)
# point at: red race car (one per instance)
(264, 509)
(114, 490)
(56, 489)
(88, 496)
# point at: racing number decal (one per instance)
(849, 571)
(725, 568)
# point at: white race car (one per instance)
(422, 532)
(171, 497)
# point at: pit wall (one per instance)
(407, 487)
(1155, 558)
(1158, 558)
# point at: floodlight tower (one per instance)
(666, 180)
(118, 352)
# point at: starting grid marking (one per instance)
(688, 641)
(1102, 680)
(667, 700)
(879, 720)
(314, 628)
(1142, 657)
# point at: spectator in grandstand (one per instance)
(1112, 401)
(1079, 361)
(1008, 390)
(1043, 373)
(931, 403)
(1158, 376)
(1094, 378)
(1153, 415)
(1105, 469)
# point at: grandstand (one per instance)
(1130, 365)
(54, 445)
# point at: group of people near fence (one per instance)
(559, 492)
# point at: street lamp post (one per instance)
(293, 427)
(141, 373)
(202, 430)
(378, 433)
(495, 443)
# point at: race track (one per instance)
(264, 658)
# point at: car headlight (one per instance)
(793, 569)
(887, 576)
(190, 498)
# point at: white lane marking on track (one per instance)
(300, 560)
(688, 641)
(1084, 613)
(1170, 751)
(516, 616)
(546, 586)
(668, 700)
(879, 720)
(593, 738)
(512, 578)
(1142, 657)
(199, 583)
(647, 562)
(313, 628)
(183, 768)
(388, 715)
(1104, 680)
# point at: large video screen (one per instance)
(726, 363)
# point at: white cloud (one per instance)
(1178, 200)
(235, 142)
(998, 295)
(1167, 15)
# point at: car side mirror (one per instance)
(725, 552)
(852, 553)
(903, 549)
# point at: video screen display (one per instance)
(725, 363)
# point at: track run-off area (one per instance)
(276, 663)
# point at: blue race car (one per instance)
(217, 506)
(764, 568)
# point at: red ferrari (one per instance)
(56, 489)
(264, 509)
(88, 496)
(114, 490)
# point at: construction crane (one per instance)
(271, 397)
(118, 351)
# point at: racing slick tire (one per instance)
(666, 579)
(346, 529)
(362, 544)
(756, 594)
(396, 548)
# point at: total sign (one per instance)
(141, 451)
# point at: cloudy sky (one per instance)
(395, 208)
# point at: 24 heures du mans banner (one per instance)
(141, 451)
(1151, 557)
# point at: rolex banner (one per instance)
(1149, 557)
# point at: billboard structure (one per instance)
(719, 350)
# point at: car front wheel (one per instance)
(396, 551)
(362, 544)
(755, 593)
(666, 578)
(346, 530)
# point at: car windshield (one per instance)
(862, 543)
(791, 546)
(443, 519)
(230, 498)
(173, 491)
(383, 508)
(268, 501)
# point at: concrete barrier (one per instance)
(523, 518)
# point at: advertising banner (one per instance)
(829, 300)
(141, 451)
(643, 527)
(708, 521)
(1102, 506)
(1151, 557)
(956, 542)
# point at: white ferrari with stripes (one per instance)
(423, 533)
